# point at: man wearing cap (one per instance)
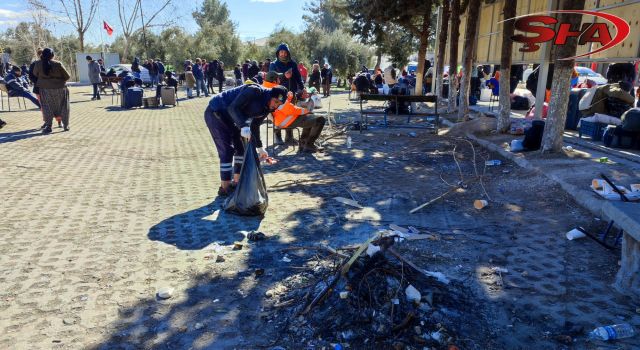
(290, 116)
(237, 113)
(292, 80)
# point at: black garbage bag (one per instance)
(250, 197)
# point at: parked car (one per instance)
(144, 73)
(585, 73)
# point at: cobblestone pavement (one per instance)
(94, 221)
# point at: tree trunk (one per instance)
(508, 11)
(81, 38)
(378, 59)
(467, 57)
(561, 86)
(125, 52)
(422, 51)
(453, 54)
(442, 48)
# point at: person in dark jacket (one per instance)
(135, 67)
(237, 113)
(161, 70)
(314, 78)
(245, 70)
(253, 70)
(326, 74)
(94, 76)
(17, 87)
(197, 73)
(220, 76)
(237, 73)
(212, 70)
(292, 80)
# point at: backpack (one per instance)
(520, 103)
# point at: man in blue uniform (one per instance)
(237, 113)
(17, 87)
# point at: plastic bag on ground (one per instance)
(250, 197)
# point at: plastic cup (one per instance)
(575, 234)
(480, 203)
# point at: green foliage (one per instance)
(299, 51)
(343, 54)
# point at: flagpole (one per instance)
(101, 34)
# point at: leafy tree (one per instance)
(297, 47)
(371, 16)
(343, 54)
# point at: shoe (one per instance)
(224, 193)
(2, 123)
(66, 128)
(290, 142)
(43, 126)
(46, 130)
(312, 148)
(279, 141)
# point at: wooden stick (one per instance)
(433, 200)
(406, 261)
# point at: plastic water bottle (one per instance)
(348, 141)
(616, 331)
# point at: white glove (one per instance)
(245, 132)
(262, 154)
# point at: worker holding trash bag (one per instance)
(235, 114)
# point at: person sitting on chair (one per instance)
(16, 88)
(289, 116)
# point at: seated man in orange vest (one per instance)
(290, 116)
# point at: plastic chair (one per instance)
(115, 91)
(273, 135)
(5, 90)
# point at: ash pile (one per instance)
(373, 298)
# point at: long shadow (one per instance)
(19, 135)
(198, 228)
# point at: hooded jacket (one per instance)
(603, 92)
(295, 84)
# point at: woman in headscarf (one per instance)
(54, 95)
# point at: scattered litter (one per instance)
(256, 236)
(344, 295)
(601, 187)
(165, 293)
(635, 187)
(413, 134)
(216, 300)
(480, 203)
(237, 246)
(220, 259)
(259, 272)
(84, 298)
(568, 148)
(575, 234)
(516, 146)
(372, 249)
(395, 301)
(286, 259)
(413, 295)
(348, 201)
(68, 321)
(499, 269)
(493, 162)
(199, 325)
(613, 332)
(603, 159)
(437, 275)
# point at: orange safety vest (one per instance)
(287, 113)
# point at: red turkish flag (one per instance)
(108, 28)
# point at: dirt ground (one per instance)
(139, 216)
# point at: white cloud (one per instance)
(12, 14)
(8, 22)
(267, 1)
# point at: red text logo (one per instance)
(589, 33)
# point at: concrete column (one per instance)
(628, 277)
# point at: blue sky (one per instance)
(254, 18)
